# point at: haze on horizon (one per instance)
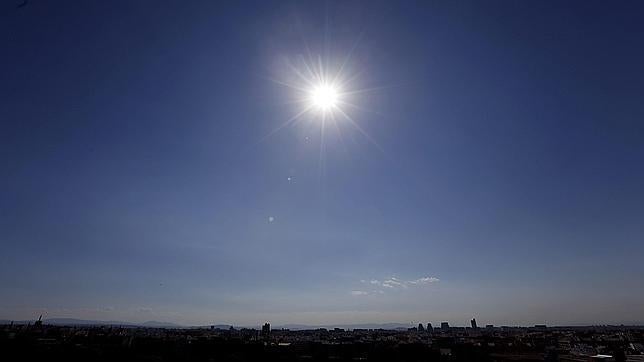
(490, 164)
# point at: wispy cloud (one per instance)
(393, 283)
(424, 280)
(359, 293)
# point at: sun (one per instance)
(323, 93)
(324, 97)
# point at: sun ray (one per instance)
(361, 109)
(288, 122)
(321, 160)
(357, 126)
(344, 83)
(337, 128)
(325, 94)
(372, 89)
(297, 88)
(300, 75)
(338, 74)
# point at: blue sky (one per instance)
(500, 175)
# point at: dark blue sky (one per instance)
(501, 175)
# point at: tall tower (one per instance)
(266, 331)
(38, 323)
(473, 323)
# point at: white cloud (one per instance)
(394, 283)
(424, 280)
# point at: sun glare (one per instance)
(323, 91)
(324, 97)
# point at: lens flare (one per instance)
(323, 92)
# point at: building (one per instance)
(266, 331)
(430, 329)
(444, 326)
(473, 323)
(421, 328)
(38, 323)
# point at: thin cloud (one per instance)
(395, 283)
(359, 292)
(424, 280)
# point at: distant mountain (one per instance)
(346, 326)
(219, 326)
(299, 327)
(156, 324)
(86, 322)
(293, 327)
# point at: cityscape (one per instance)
(40, 340)
(321, 180)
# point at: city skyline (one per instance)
(320, 163)
(443, 326)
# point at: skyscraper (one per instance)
(266, 331)
(444, 326)
(473, 323)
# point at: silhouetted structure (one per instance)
(444, 326)
(266, 331)
(38, 323)
(421, 328)
(430, 328)
(473, 323)
(103, 343)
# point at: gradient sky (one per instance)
(504, 162)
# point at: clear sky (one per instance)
(493, 165)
